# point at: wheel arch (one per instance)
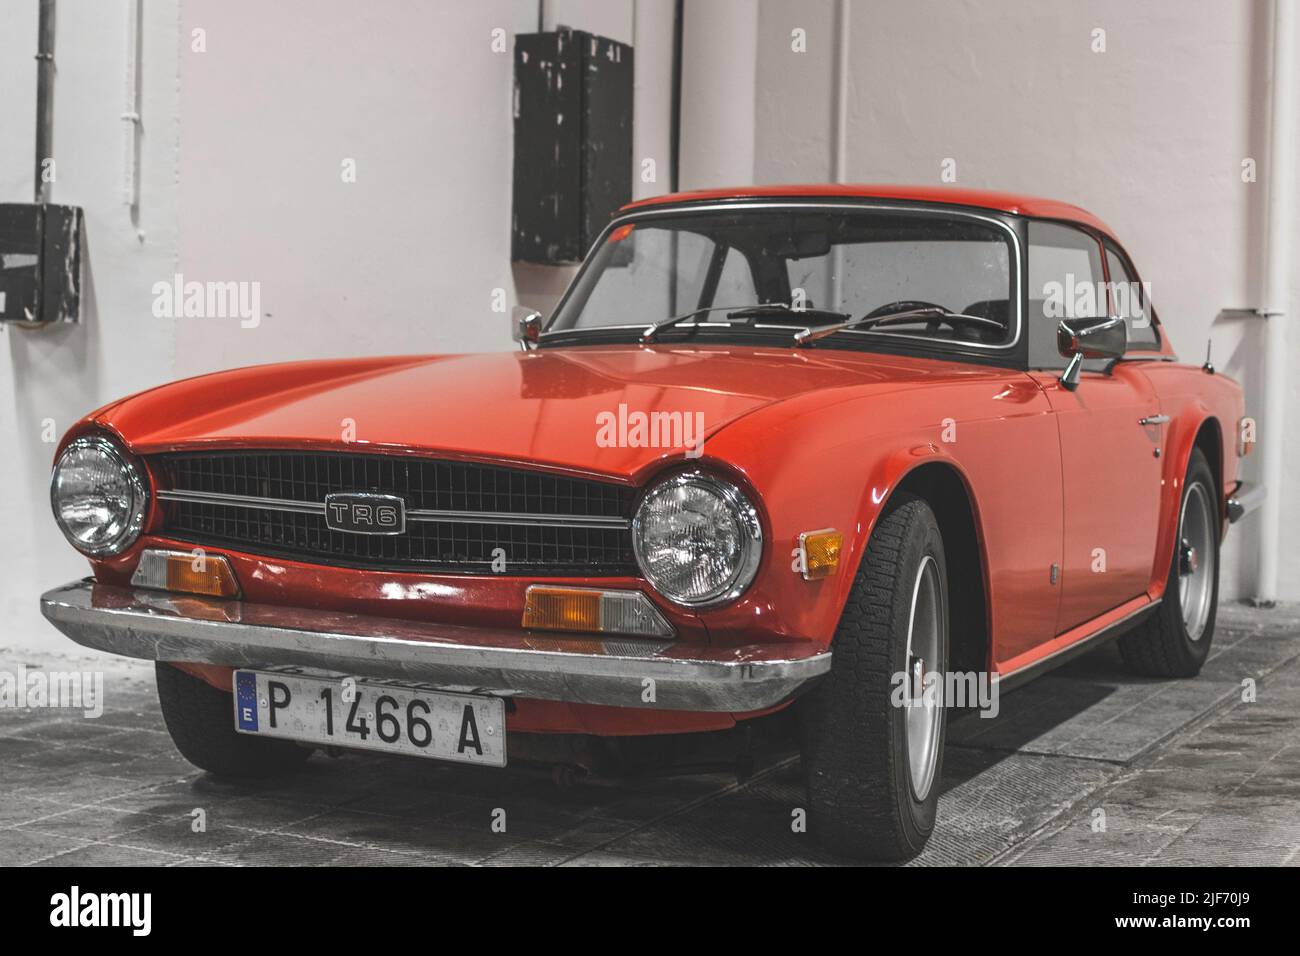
(946, 489)
(1197, 428)
(1209, 439)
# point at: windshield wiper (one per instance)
(739, 312)
(807, 336)
(652, 330)
(781, 308)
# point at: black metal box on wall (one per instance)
(573, 142)
(40, 262)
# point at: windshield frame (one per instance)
(862, 339)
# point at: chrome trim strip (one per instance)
(509, 517)
(579, 668)
(1070, 651)
(418, 514)
(242, 501)
(869, 205)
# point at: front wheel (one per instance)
(1175, 640)
(201, 721)
(872, 735)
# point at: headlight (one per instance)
(697, 539)
(98, 497)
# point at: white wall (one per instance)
(404, 259)
(51, 377)
(719, 67)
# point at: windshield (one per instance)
(942, 277)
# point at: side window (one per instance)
(1066, 281)
(1131, 302)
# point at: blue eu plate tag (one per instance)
(246, 700)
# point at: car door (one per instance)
(1110, 430)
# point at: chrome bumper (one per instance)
(159, 625)
(1245, 500)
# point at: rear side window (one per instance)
(1066, 281)
(1131, 302)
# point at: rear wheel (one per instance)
(872, 738)
(1175, 640)
(201, 721)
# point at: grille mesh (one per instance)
(422, 484)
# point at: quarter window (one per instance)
(1131, 302)
(1066, 281)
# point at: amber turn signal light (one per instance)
(821, 553)
(589, 610)
(186, 572)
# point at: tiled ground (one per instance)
(1181, 772)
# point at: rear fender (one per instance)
(1181, 439)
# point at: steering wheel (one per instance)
(933, 322)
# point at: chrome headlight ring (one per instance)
(131, 489)
(697, 539)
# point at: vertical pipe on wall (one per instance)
(1281, 208)
(840, 122)
(44, 98)
(675, 130)
(131, 107)
(839, 135)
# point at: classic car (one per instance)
(785, 447)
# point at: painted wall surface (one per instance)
(51, 377)
(354, 170)
(719, 75)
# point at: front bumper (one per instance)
(164, 626)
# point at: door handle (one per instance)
(1154, 420)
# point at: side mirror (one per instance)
(1080, 339)
(528, 326)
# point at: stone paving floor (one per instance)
(1086, 766)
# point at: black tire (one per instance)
(201, 721)
(1160, 646)
(861, 800)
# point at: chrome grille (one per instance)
(458, 513)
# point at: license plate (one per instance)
(372, 716)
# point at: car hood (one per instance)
(546, 407)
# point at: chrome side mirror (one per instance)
(1080, 339)
(528, 326)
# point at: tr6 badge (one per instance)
(365, 513)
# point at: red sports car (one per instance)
(853, 450)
